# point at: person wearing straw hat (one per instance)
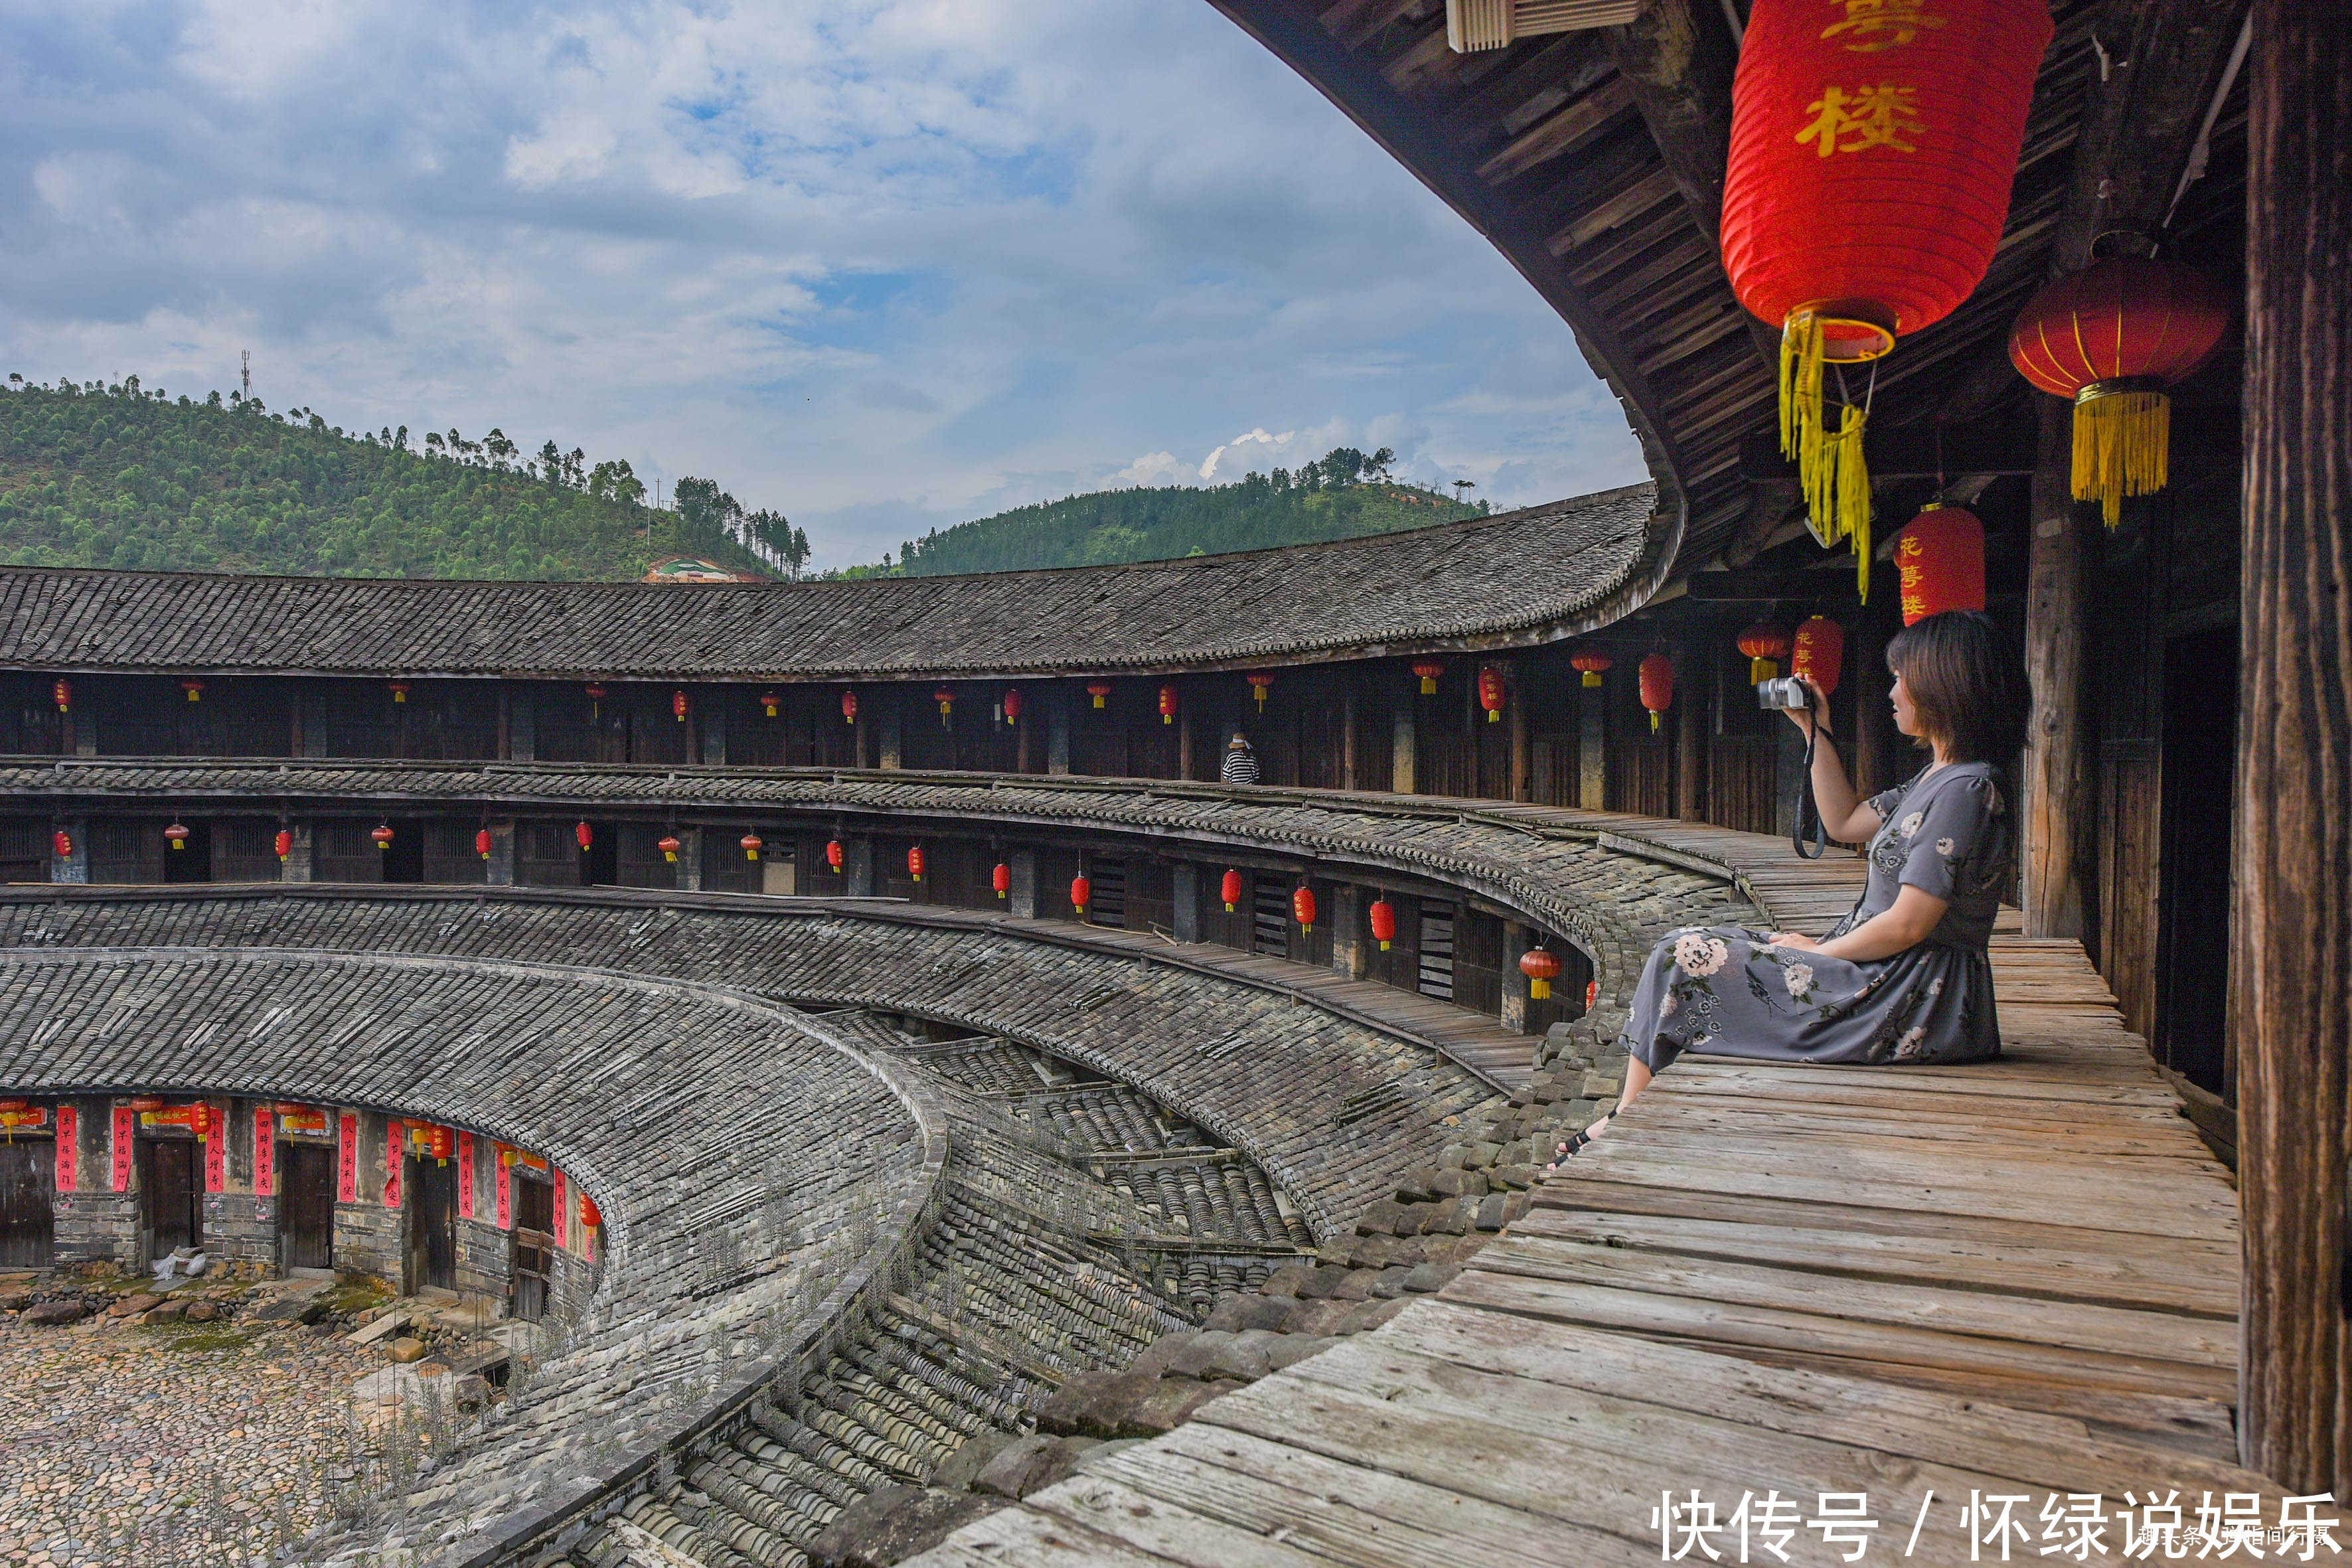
(1241, 763)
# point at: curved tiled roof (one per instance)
(1524, 576)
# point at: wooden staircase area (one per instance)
(2018, 1278)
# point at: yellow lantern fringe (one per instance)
(1830, 466)
(2121, 440)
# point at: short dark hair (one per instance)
(1966, 682)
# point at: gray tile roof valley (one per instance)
(1524, 576)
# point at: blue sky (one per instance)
(884, 266)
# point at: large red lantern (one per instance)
(915, 862)
(1099, 691)
(1167, 704)
(1302, 904)
(770, 701)
(583, 833)
(1941, 557)
(2113, 337)
(669, 845)
(1429, 669)
(381, 834)
(1001, 879)
(752, 843)
(849, 708)
(833, 854)
(1012, 705)
(193, 687)
(177, 835)
(1592, 663)
(1260, 683)
(283, 844)
(1765, 646)
(946, 700)
(1383, 915)
(1821, 652)
(1541, 966)
(1490, 692)
(1873, 148)
(1082, 893)
(1230, 888)
(677, 705)
(482, 842)
(1656, 674)
(62, 694)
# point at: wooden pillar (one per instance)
(301, 853)
(1865, 672)
(1350, 936)
(1522, 742)
(1402, 747)
(1690, 738)
(1024, 753)
(1591, 748)
(1347, 731)
(74, 865)
(2291, 940)
(857, 867)
(500, 870)
(1057, 728)
(889, 737)
(1022, 898)
(522, 728)
(1513, 1013)
(2058, 820)
(1186, 879)
(710, 730)
(691, 844)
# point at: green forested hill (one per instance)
(1345, 494)
(115, 476)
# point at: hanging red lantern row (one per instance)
(1082, 892)
(1001, 879)
(1099, 691)
(283, 844)
(1592, 663)
(1260, 682)
(1765, 646)
(1167, 704)
(1490, 692)
(678, 706)
(1012, 705)
(849, 708)
(1656, 675)
(1941, 557)
(1231, 889)
(946, 700)
(1429, 669)
(833, 855)
(583, 833)
(399, 689)
(1541, 966)
(1821, 652)
(381, 834)
(770, 701)
(176, 835)
(2113, 337)
(1873, 148)
(915, 862)
(1302, 904)
(669, 845)
(1383, 915)
(482, 842)
(193, 687)
(751, 843)
(62, 694)
(61, 845)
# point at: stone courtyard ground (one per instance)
(124, 1441)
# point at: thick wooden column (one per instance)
(1690, 737)
(1403, 748)
(2057, 853)
(1347, 769)
(1522, 742)
(1864, 673)
(2291, 973)
(1591, 748)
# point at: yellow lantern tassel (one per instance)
(1654, 720)
(2122, 434)
(1761, 670)
(1831, 468)
(1853, 494)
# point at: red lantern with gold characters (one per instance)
(2113, 337)
(381, 834)
(946, 700)
(1873, 148)
(1490, 692)
(1592, 663)
(1001, 879)
(1541, 966)
(1230, 888)
(849, 708)
(583, 832)
(833, 854)
(1429, 669)
(669, 845)
(1099, 691)
(752, 843)
(770, 701)
(399, 690)
(193, 687)
(284, 844)
(1656, 674)
(1260, 683)
(440, 1143)
(1012, 705)
(915, 862)
(482, 842)
(62, 694)
(1383, 915)
(1765, 646)
(177, 835)
(677, 705)
(1941, 557)
(61, 845)
(1302, 904)
(1167, 704)
(1082, 893)
(1821, 652)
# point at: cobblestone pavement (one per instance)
(124, 1443)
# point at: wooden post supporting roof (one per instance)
(2057, 797)
(2291, 985)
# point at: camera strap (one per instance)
(1805, 806)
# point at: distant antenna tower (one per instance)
(246, 356)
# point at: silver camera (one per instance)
(1786, 691)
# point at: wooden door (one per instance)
(27, 1174)
(534, 1246)
(306, 1206)
(171, 1195)
(432, 1190)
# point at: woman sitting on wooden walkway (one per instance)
(1905, 976)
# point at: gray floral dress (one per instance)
(1727, 991)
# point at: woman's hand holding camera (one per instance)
(1815, 710)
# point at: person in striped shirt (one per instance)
(1241, 763)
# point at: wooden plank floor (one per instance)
(1920, 1284)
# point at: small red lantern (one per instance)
(1082, 893)
(482, 842)
(284, 844)
(440, 1143)
(1592, 994)
(61, 845)
(62, 694)
(1765, 646)
(1302, 904)
(193, 687)
(1099, 691)
(177, 835)
(1231, 889)
(1167, 704)
(1001, 879)
(669, 845)
(751, 843)
(770, 701)
(1490, 692)
(1260, 682)
(1657, 678)
(1541, 966)
(677, 705)
(833, 854)
(1429, 669)
(915, 862)
(399, 690)
(1012, 705)
(1821, 652)
(584, 833)
(946, 700)
(596, 700)
(1941, 557)
(590, 1215)
(1383, 923)
(2113, 337)
(201, 1119)
(1592, 661)
(381, 834)
(849, 708)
